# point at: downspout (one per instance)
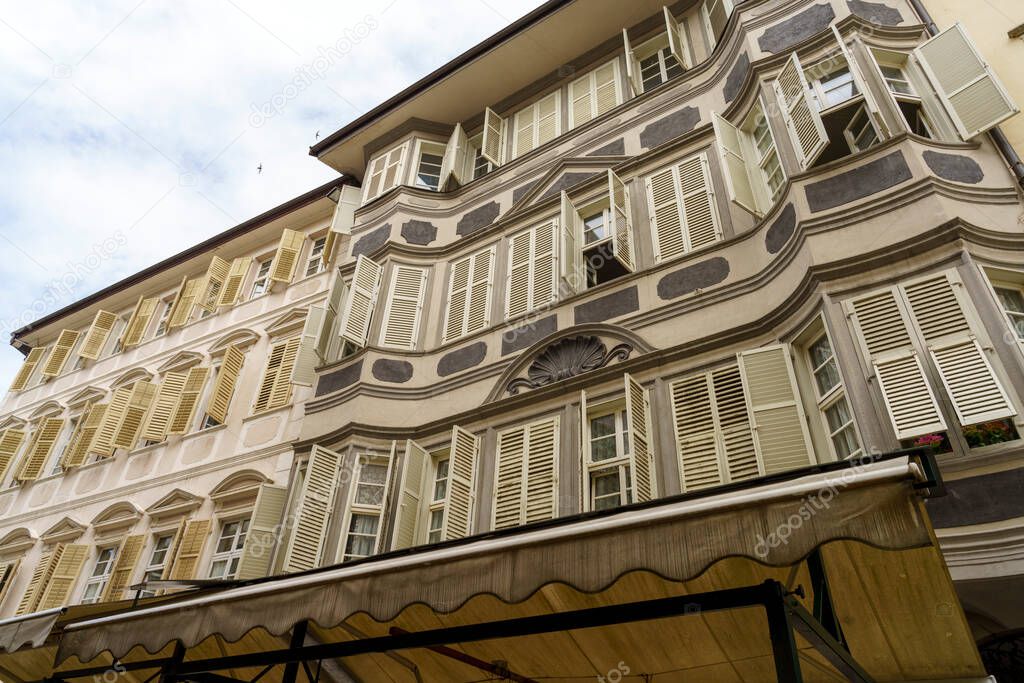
(997, 135)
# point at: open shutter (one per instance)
(40, 447)
(184, 303)
(885, 338)
(103, 441)
(458, 517)
(404, 308)
(28, 367)
(493, 146)
(281, 394)
(314, 510)
(803, 121)
(874, 112)
(64, 577)
(571, 258)
(970, 91)
(213, 284)
(168, 394)
(37, 584)
(191, 391)
(286, 259)
(362, 297)
(78, 449)
(636, 83)
(307, 359)
(453, 164)
(190, 545)
(224, 386)
(337, 295)
(410, 497)
(139, 404)
(269, 377)
(734, 163)
(96, 338)
(677, 42)
(60, 353)
(10, 441)
(715, 14)
(264, 528)
(343, 220)
(234, 280)
(8, 570)
(124, 567)
(622, 222)
(172, 549)
(641, 451)
(139, 322)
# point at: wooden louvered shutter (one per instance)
(28, 367)
(167, 396)
(594, 94)
(189, 550)
(862, 85)
(224, 386)
(666, 214)
(286, 259)
(103, 440)
(684, 216)
(453, 165)
(60, 353)
(458, 299)
(571, 256)
(264, 529)
(213, 284)
(937, 308)
(803, 121)
(124, 568)
(678, 45)
(10, 441)
(549, 122)
(622, 221)
(40, 578)
(8, 570)
(509, 478)
(696, 433)
(96, 338)
(135, 331)
(64, 577)
(172, 549)
(520, 262)
(734, 430)
(883, 333)
(78, 448)
(535, 125)
(641, 451)
(410, 497)
(281, 393)
(541, 480)
(184, 303)
(234, 281)
(636, 83)
(493, 145)
(314, 510)
(735, 164)
(188, 400)
(544, 279)
(404, 308)
(139, 404)
(40, 448)
(269, 377)
(478, 310)
(308, 358)
(532, 273)
(362, 298)
(458, 517)
(970, 91)
(581, 100)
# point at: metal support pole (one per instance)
(824, 610)
(787, 658)
(291, 669)
(169, 674)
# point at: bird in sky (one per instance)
(317, 135)
(259, 169)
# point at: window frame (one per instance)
(370, 175)
(619, 463)
(234, 554)
(657, 46)
(433, 504)
(419, 151)
(825, 401)
(261, 275)
(150, 567)
(749, 128)
(355, 508)
(99, 580)
(314, 256)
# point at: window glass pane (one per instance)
(650, 72)
(363, 524)
(672, 66)
(838, 414)
(602, 426)
(1011, 299)
(827, 377)
(594, 229)
(428, 173)
(441, 481)
(845, 442)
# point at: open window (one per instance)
(750, 159)
(597, 237)
(659, 59)
(367, 501)
(465, 159)
(715, 15)
(428, 160)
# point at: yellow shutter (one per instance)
(124, 567)
(362, 297)
(40, 578)
(10, 441)
(103, 441)
(286, 259)
(458, 508)
(492, 147)
(28, 366)
(264, 532)
(139, 404)
(269, 377)
(8, 570)
(234, 281)
(678, 44)
(213, 284)
(78, 447)
(410, 497)
(190, 550)
(224, 386)
(59, 353)
(64, 577)
(641, 451)
(139, 322)
(621, 221)
(96, 338)
(168, 394)
(191, 392)
(40, 448)
(798, 110)
(314, 510)
(281, 392)
(184, 303)
(401, 326)
(571, 257)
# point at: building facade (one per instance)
(673, 249)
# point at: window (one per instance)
(428, 165)
(438, 495)
(481, 165)
(385, 172)
(594, 94)
(860, 133)
(536, 124)
(69, 436)
(894, 68)
(532, 274)
(165, 314)
(276, 388)
(832, 87)
(157, 564)
(597, 238)
(262, 282)
(316, 262)
(681, 203)
(1012, 300)
(659, 67)
(366, 509)
(228, 552)
(832, 402)
(754, 176)
(608, 448)
(100, 575)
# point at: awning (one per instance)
(29, 629)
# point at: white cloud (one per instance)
(135, 119)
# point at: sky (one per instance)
(132, 130)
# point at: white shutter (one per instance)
(571, 256)
(621, 221)
(492, 147)
(469, 294)
(862, 85)
(970, 91)
(520, 263)
(314, 510)
(641, 452)
(404, 308)
(803, 121)
(526, 477)
(682, 206)
(677, 42)
(735, 166)
(509, 478)
(307, 359)
(453, 164)
(531, 269)
(594, 94)
(536, 124)
(410, 497)
(458, 516)
(362, 297)
(636, 82)
(265, 526)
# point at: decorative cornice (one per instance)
(566, 358)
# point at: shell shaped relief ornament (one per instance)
(567, 358)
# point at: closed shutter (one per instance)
(735, 165)
(571, 256)
(526, 479)
(776, 413)
(532, 272)
(40, 578)
(64, 577)
(8, 570)
(124, 568)
(167, 396)
(401, 327)
(139, 404)
(622, 221)
(96, 338)
(139, 322)
(60, 353)
(458, 517)
(103, 441)
(536, 125)
(410, 497)
(970, 91)
(641, 451)
(234, 281)
(40, 447)
(493, 146)
(213, 284)
(362, 298)
(10, 441)
(453, 164)
(78, 448)
(224, 386)
(594, 94)
(286, 259)
(469, 295)
(803, 121)
(681, 200)
(189, 550)
(509, 478)
(191, 392)
(636, 83)
(28, 367)
(884, 335)
(264, 532)
(520, 264)
(314, 510)
(678, 44)
(184, 303)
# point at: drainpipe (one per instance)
(999, 138)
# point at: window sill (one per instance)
(259, 415)
(981, 457)
(200, 432)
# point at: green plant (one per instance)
(988, 433)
